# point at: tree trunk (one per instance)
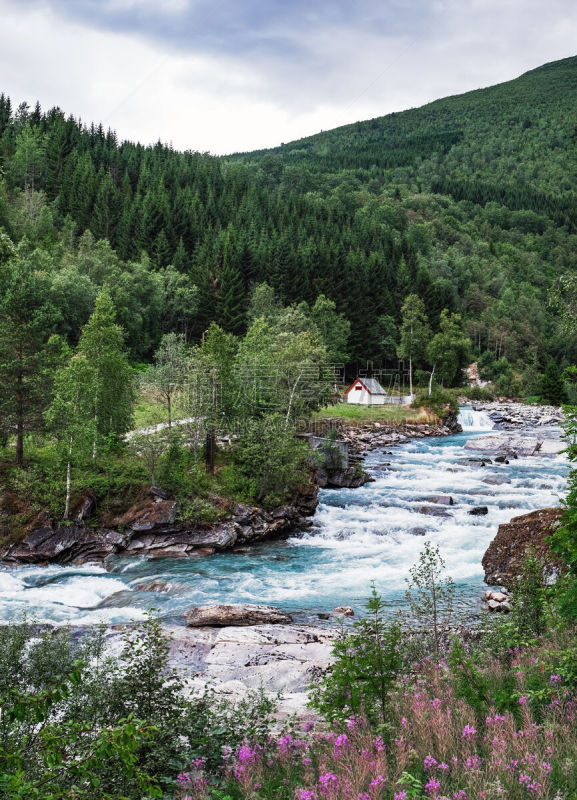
(410, 378)
(168, 405)
(431, 380)
(68, 481)
(291, 398)
(19, 412)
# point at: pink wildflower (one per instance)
(429, 763)
(306, 794)
(433, 787)
(469, 732)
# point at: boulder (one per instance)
(495, 480)
(152, 528)
(344, 611)
(68, 544)
(434, 511)
(222, 616)
(350, 478)
(441, 499)
(503, 560)
(479, 511)
(85, 508)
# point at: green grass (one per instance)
(150, 411)
(394, 415)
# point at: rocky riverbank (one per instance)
(513, 416)
(368, 436)
(152, 528)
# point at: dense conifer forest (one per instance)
(469, 202)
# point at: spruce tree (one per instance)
(553, 389)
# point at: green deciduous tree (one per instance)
(270, 459)
(449, 349)
(431, 594)
(415, 333)
(169, 370)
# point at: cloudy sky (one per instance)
(233, 75)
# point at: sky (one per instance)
(225, 76)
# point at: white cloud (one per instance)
(226, 101)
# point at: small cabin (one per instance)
(366, 392)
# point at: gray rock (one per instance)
(344, 611)
(441, 499)
(479, 511)
(85, 508)
(495, 480)
(222, 616)
(434, 511)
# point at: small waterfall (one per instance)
(471, 420)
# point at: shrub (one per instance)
(366, 663)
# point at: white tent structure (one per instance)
(366, 392)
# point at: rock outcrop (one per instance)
(244, 615)
(280, 659)
(152, 528)
(349, 478)
(504, 557)
(364, 438)
(512, 416)
(508, 445)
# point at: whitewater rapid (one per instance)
(373, 533)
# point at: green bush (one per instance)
(441, 401)
(364, 673)
(89, 725)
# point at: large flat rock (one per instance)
(225, 615)
(507, 444)
(232, 661)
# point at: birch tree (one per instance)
(415, 333)
(169, 370)
(102, 344)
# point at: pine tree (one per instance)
(553, 389)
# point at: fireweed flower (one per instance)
(352, 722)
(429, 763)
(401, 795)
(433, 787)
(328, 781)
(379, 745)
(523, 700)
(460, 795)
(469, 732)
(553, 679)
(377, 782)
(306, 794)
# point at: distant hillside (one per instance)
(469, 201)
(520, 132)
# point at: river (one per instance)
(374, 533)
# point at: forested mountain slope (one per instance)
(469, 201)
